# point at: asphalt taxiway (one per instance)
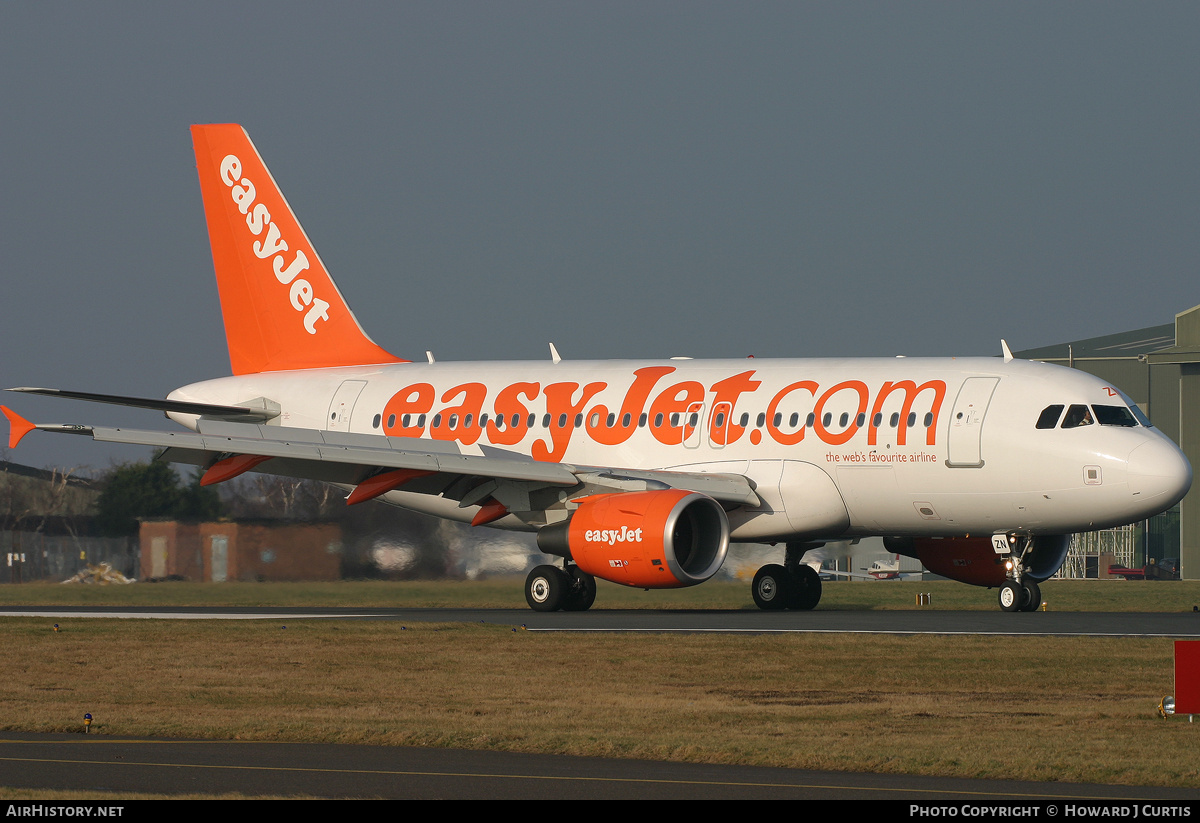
(1181, 625)
(92, 763)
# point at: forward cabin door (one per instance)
(966, 422)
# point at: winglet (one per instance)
(18, 426)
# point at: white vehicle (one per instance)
(642, 472)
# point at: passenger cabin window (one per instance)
(1114, 416)
(1077, 415)
(1048, 419)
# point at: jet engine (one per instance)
(662, 539)
(973, 560)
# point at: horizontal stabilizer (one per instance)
(241, 414)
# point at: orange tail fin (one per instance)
(282, 310)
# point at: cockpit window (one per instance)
(1077, 415)
(1114, 416)
(1049, 417)
(1135, 410)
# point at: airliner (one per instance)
(643, 472)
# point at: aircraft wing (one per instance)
(521, 485)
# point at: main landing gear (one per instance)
(794, 585)
(1020, 592)
(549, 589)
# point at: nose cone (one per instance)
(1159, 474)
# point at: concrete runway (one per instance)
(96, 763)
(63, 761)
(1182, 625)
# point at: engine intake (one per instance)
(663, 539)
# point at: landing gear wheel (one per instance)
(771, 587)
(1033, 596)
(1012, 596)
(805, 592)
(581, 590)
(546, 588)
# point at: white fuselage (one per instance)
(834, 447)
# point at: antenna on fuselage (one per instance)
(429, 355)
(554, 355)
(1008, 355)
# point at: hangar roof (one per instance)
(1127, 344)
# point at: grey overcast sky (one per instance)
(625, 179)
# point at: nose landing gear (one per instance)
(1020, 592)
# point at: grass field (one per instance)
(1000, 707)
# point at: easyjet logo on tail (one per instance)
(258, 220)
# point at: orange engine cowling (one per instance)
(663, 539)
(973, 560)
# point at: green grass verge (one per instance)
(507, 592)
